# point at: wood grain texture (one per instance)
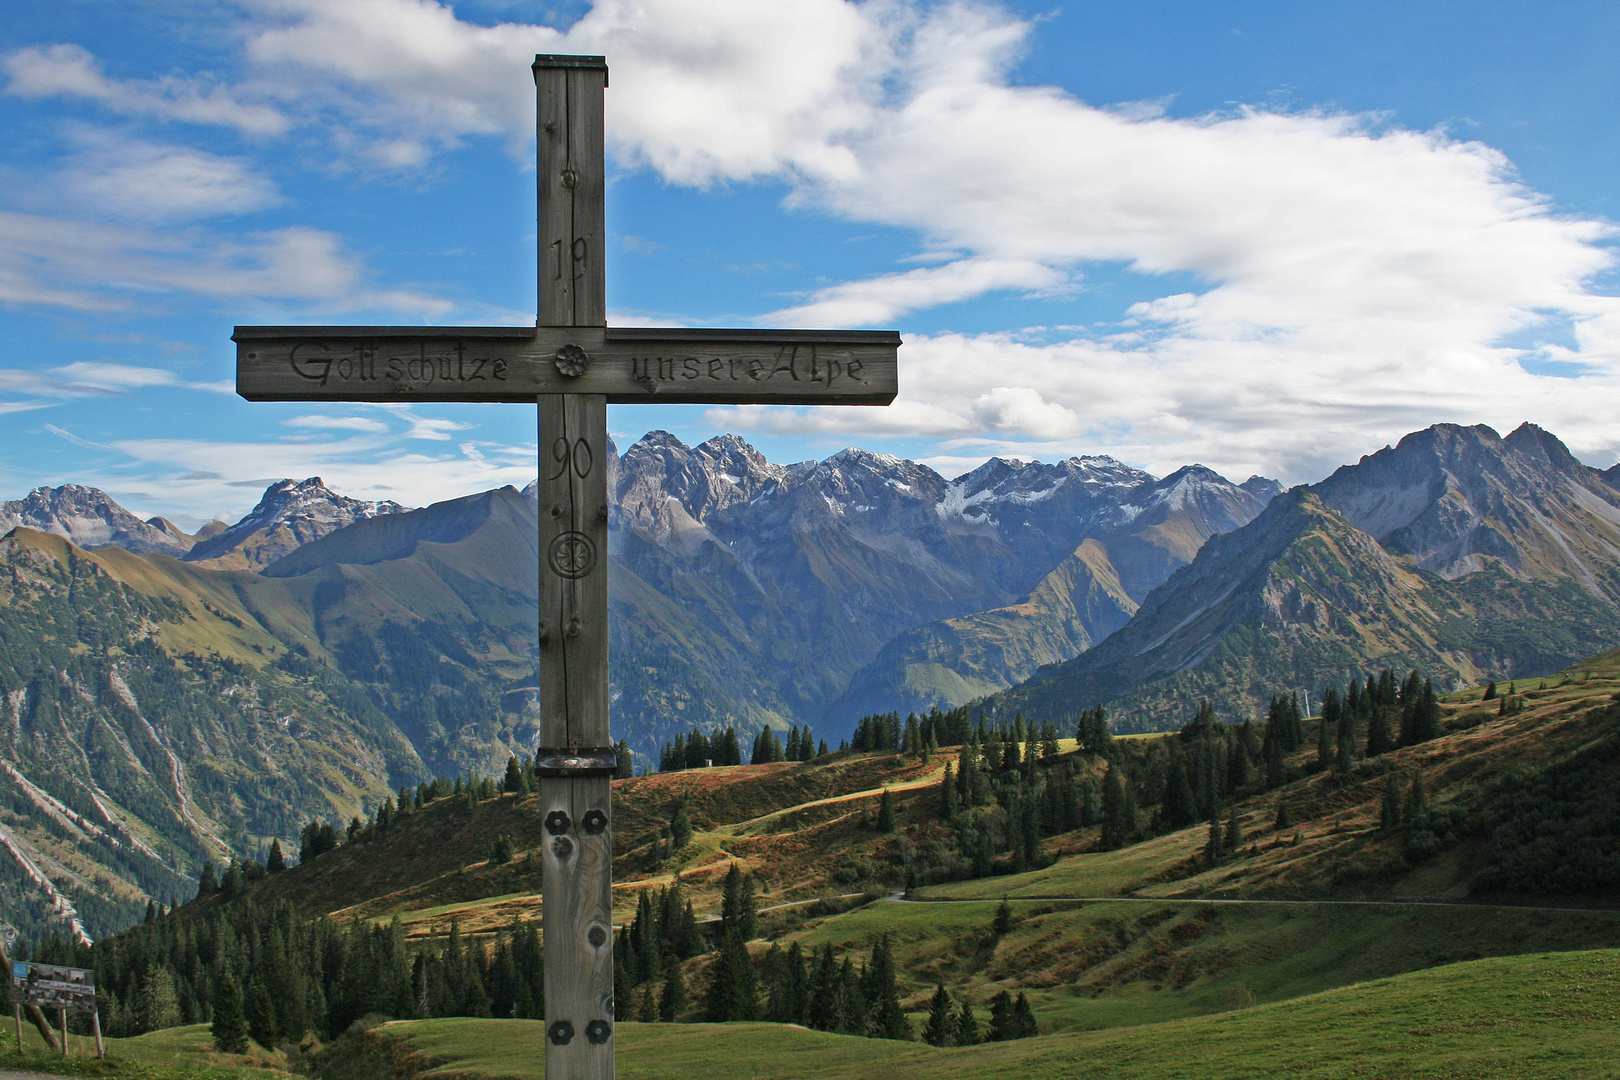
(570, 183)
(577, 884)
(368, 363)
(573, 571)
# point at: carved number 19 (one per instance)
(579, 250)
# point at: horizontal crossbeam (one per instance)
(628, 365)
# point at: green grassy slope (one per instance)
(1118, 963)
(1520, 1017)
(1298, 598)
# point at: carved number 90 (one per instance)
(577, 456)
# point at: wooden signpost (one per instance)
(52, 986)
(573, 365)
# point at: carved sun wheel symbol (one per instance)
(572, 555)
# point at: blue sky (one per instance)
(1267, 237)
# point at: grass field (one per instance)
(1518, 1018)
(1118, 963)
(182, 1053)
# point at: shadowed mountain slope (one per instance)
(1497, 558)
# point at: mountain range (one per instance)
(324, 650)
(1458, 552)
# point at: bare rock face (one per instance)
(291, 513)
(1458, 498)
(1459, 552)
(90, 518)
(866, 582)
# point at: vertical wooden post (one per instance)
(18, 1009)
(570, 183)
(576, 758)
(63, 1011)
(95, 1022)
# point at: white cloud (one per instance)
(702, 90)
(71, 71)
(93, 266)
(129, 178)
(1350, 280)
(880, 301)
(62, 433)
(338, 423)
(84, 378)
(192, 472)
(434, 429)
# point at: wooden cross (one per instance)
(573, 364)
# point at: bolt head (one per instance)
(558, 822)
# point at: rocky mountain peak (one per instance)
(291, 513)
(1262, 487)
(664, 487)
(1456, 497)
(89, 517)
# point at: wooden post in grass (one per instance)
(573, 365)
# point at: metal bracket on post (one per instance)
(579, 761)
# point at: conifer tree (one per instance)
(1426, 714)
(729, 752)
(514, 780)
(739, 913)
(825, 991)
(967, 1025)
(1234, 831)
(1092, 733)
(1379, 738)
(1284, 818)
(1389, 816)
(885, 816)
(1003, 921)
(680, 827)
(1002, 1025)
(1213, 846)
(941, 1028)
(1114, 826)
(274, 863)
(821, 749)
(733, 988)
(672, 1002)
(229, 1029)
(207, 881)
(947, 794)
(261, 1015)
(156, 1006)
(1023, 1018)
(1417, 799)
(1049, 740)
(887, 1019)
(230, 887)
